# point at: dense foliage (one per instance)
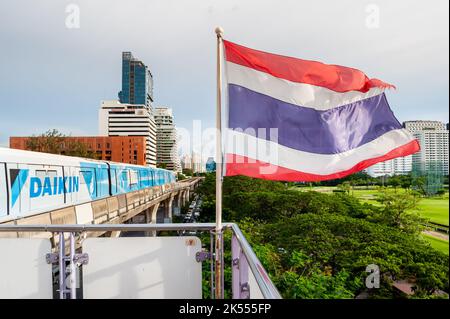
(317, 245)
(55, 142)
(427, 182)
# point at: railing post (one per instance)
(244, 287)
(73, 268)
(211, 238)
(235, 252)
(218, 256)
(62, 266)
(239, 268)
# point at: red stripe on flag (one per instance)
(334, 77)
(242, 165)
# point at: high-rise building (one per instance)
(119, 119)
(416, 126)
(122, 149)
(166, 140)
(433, 139)
(396, 166)
(433, 152)
(193, 163)
(137, 81)
(186, 162)
(197, 166)
(132, 115)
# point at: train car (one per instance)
(32, 182)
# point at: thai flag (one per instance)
(296, 120)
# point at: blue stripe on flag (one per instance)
(305, 129)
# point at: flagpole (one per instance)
(218, 238)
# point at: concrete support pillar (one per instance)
(183, 197)
(168, 210)
(150, 218)
(177, 204)
(115, 234)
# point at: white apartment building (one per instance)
(118, 119)
(416, 126)
(197, 165)
(186, 162)
(433, 139)
(433, 152)
(193, 162)
(396, 166)
(166, 139)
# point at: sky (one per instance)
(54, 76)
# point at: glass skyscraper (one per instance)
(137, 81)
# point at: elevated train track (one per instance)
(45, 189)
(118, 209)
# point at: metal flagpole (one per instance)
(218, 238)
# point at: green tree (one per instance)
(55, 142)
(406, 181)
(188, 172)
(79, 149)
(345, 186)
(48, 142)
(330, 245)
(397, 211)
(317, 245)
(395, 182)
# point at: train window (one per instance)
(85, 175)
(133, 177)
(41, 173)
(52, 174)
(114, 180)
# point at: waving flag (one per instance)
(296, 120)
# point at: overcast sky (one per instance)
(55, 77)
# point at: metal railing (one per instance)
(240, 248)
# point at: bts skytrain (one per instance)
(32, 182)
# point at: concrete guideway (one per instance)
(117, 209)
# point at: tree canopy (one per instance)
(317, 245)
(55, 142)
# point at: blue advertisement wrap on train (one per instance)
(32, 182)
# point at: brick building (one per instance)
(122, 149)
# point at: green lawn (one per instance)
(367, 195)
(435, 209)
(437, 243)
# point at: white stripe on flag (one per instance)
(300, 94)
(242, 144)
